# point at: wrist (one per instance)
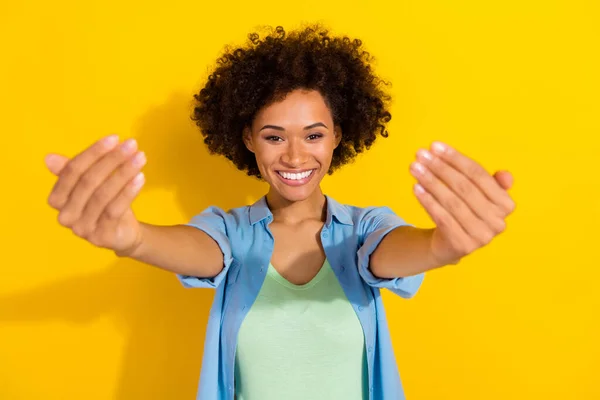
(136, 249)
(436, 257)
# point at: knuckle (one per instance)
(510, 206)
(70, 169)
(475, 170)
(65, 219)
(485, 238)
(124, 174)
(464, 188)
(54, 201)
(111, 211)
(80, 230)
(117, 157)
(500, 226)
(494, 212)
(469, 247)
(463, 248)
(87, 181)
(101, 196)
(95, 239)
(454, 204)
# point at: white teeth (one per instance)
(294, 177)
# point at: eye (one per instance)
(272, 138)
(315, 136)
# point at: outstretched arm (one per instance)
(467, 205)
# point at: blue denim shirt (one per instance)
(349, 237)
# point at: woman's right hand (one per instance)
(94, 192)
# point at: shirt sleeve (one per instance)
(377, 223)
(212, 222)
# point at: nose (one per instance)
(294, 155)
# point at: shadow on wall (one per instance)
(164, 323)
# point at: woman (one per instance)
(298, 312)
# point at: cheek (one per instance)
(265, 157)
(325, 154)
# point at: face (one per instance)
(293, 141)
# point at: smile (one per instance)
(297, 178)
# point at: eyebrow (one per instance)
(279, 128)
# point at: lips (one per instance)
(296, 178)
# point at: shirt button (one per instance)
(325, 234)
(360, 308)
(370, 349)
(371, 389)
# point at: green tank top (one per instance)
(301, 342)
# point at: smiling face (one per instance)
(293, 141)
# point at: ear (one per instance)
(338, 136)
(247, 137)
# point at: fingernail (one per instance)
(418, 167)
(425, 154)
(129, 145)
(110, 141)
(419, 189)
(139, 159)
(138, 181)
(438, 147)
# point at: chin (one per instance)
(295, 195)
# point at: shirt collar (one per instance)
(260, 210)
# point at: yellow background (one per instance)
(514, 84)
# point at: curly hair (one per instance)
(263, 71)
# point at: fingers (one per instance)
(440, 216)
(477, 174)
(94, 178)
(455, 210)
(73, 170)
(460, 185)
(122, 202)
(125, 183)
(458, 192)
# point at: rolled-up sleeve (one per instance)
(212, 222)
(377, 223)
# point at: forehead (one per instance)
(299, 107)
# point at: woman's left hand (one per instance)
(468, 205)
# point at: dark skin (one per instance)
(296, 134)
(96, 188)
(468, 205)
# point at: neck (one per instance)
(292, 212)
